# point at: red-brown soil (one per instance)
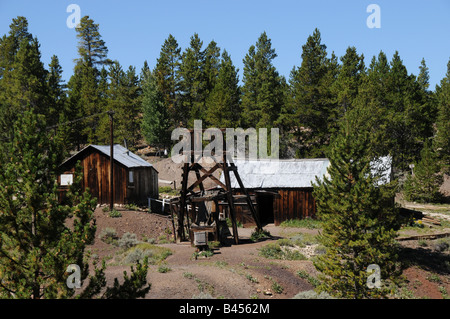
(238, 271)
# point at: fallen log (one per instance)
(428, 236)
(431, 221)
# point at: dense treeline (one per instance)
(404, 117)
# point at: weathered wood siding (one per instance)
(96, 168)
(145, 184)
(291, 203)
(294, 203)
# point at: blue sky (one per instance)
(135, 30)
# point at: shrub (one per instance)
(275, 251)
(304, 239)
(115, 213)
(163, 268)
(128, 240)
(302, 223)
(312, 280)
(258, 235)
(138, 252)
(277, 288)
(311, 294)
(108, 235)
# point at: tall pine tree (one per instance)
(311, 102)
(441, 141)
(263, 90)
(168, 77)
(223, 104)
(193, 83)
(56, 93)
(156, 121)
(23, 77)
(86, 99)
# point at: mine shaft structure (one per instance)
(190, 208)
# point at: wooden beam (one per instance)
(201, 179)
(244, 190)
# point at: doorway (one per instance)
(265, 208)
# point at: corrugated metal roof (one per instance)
(279, 173)
(121, 155)
(294, 173)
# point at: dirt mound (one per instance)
(169, 171)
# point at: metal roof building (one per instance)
(283, 188)
(134, 178)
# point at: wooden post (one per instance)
(111, 159)
(247, 197)
(229, 190)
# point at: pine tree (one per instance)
(424, 184)
(91, 48)
(193, 83)
(311, 103)
(263, 90)
(359, 222)
(393, 106)
(223, 104)
(85, 90)
(427, 100)
(442, 136)
(56, 93)
(424, 75)
(36, 243)
(211, 66)
(36, 246)
(346, 86)
(84, 98)
(167, 72)
(22, 76)
(371, 107)
(156, 121)
(123, 97)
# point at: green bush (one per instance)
(277, 288)
(155, 254)
(258, 235)
(128, 240)
(274, 251)
(108, 235)
(302, 223)
(312, 280)
(115, 213)
(163, 268)
(304, 239)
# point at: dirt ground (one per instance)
(239, 272)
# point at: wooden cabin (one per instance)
(134, 178)
(282, 189)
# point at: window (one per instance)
(130, 177)
(66, 179)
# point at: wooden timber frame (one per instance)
(188, 197)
